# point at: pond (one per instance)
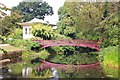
(98, 72)
(24, 70)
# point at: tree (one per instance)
(9, 23)
(3, 8)
(66, 23)
(89, 21)
(30, 10)
(43, 31)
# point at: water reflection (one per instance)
(83, 73)
(98, 72)
(111, 72)
(5, 72)
(26, 72)
(54, 74)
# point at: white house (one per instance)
(27, 25)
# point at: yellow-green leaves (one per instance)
(43, 31)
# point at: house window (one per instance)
(26, 31)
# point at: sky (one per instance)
(55, 4)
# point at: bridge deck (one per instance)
(94, 44)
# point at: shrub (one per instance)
(18, 43)
(17, 34)
(109, 55)
(27, 44)
(35, 46)
(43, 31)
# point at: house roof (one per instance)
(35, 20)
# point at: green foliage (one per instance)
(89, 21)
(27, 56)
(59, 36)
(17, 34)
(110, 72)
(17, 71)
(68, 49)
(19, 43)
(42, 74)
(35, 46)
(46, 32)
(77, 21)
(84, 17)
(42, 31)
(65, 25)
(9, 23)
(76, 58)
(56, 49)
(25, 44)
(110, 26)
(43, 54)
(2, 39)
(61, 49)
(109, 55)
(38, 9)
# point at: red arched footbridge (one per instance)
(94, 44)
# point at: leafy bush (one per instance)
(59, 36)
(27, 56)
(17, 34)
(19, 43)
(27, 44)
(35, 46)
(109, 55)
(42, 31)
(109, 58)
(68, 50)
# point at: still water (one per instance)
(98, 72)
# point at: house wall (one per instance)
(26, 32)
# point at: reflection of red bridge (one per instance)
(48, 65)
(94, 44)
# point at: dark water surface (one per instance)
(97, 72)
